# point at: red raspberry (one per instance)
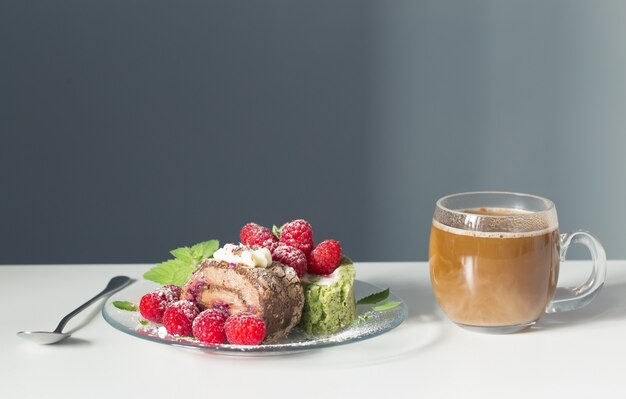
(325, 257)
(179, 316)
(291, 256)
(208, 327)
(245, 329)
(253, 234)
(153, 304)
(299, 234)
(174, 289)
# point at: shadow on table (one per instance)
(71, 341)
(422, 330)
(403, 342)
(73, 326)
(609, 305)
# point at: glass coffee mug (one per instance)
(494, 261)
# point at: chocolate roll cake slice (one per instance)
(272, 292)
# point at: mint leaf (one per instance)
(144, 322)
(386, 306)
(163, 273)
(177, 271)
(125, 305)
(276, 231)
(184, 254)
(374, 298)
(204, 249)
(181, 275)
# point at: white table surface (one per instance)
(575, 354)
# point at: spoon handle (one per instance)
(115, 284)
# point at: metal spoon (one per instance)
(52, 337)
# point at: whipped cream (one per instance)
(244, 255)
(321, 280)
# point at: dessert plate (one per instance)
(369, 323)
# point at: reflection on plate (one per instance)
(368, 324)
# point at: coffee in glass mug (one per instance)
(494, 260)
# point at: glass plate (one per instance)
(368, 324)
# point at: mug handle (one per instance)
(576, 297)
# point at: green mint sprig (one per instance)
(186, 259)
(386, 306)
(377, 297)
(374, 298)
(125, 305)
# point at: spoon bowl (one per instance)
(43, 337)
(52, 337)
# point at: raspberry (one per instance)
(245, 329)
(174, 289)
(208, 327)
(291, 256)
(325, 257)
(179, 316)
(299, 234)
(248, 232)
(153, 304)
(221, 306)
(254, 234)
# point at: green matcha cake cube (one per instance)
(329, 300)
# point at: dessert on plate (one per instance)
(327, 277)
(329, 304)
(243, 279)
(256, 291)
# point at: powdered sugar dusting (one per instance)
(368, 324)
(161, 332)
(188, 308)
(179, 316)
(292, 257)
(168, 293)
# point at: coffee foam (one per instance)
(517, 227)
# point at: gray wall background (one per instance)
(131, 128)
